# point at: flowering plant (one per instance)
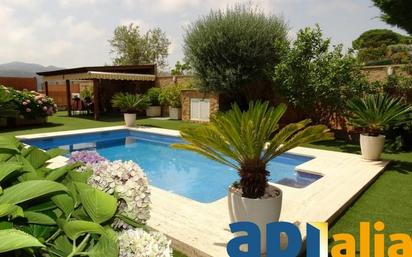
(86, 157)
(31, 104)
(127, 181)
(139, 243)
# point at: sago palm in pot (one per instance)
(129, 104)
(247, 141)
(373, 114)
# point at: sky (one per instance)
(72, 33)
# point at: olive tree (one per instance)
(232, 51)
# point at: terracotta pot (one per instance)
(372, 146)
(153, 111)
(259, 211)
(130, 119)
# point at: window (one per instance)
(199, 109)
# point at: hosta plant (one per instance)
(247, 141)
(376, 113)
(55, 212)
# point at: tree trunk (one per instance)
(253, 182)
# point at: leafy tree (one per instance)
(396, 12)
(318, 79)
(180, 68)
(232, 50)
(372, 45)
(379, 37)
(133, 47)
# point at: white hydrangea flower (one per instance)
(139, 243)
(127, 181)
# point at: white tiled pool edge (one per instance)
(199, 229)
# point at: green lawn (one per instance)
(388, 199)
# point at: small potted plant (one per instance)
(129, 104)
(247, 141)
(373, 114)
(154, 109)
(170, 96)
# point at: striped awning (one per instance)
(90, 75)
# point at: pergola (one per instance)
(100, 76)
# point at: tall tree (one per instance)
(233, 51)
(132, 47)
(396, 12)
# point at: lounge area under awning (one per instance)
(110, 77)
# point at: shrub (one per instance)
(86, 93)
(7, 107)
(31, 105)
(170, 95)
(153, 95)
(129, 103)
(316, 80)
(231, 50)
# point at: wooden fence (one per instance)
(58, 93)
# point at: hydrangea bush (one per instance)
(139, 243)
(127, 181)
(86, 157)
(31, 104)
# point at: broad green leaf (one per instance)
(41, 232)
(64, 202)
(8, 168)
(99, 205)
(12, 239)
(41, 207)
(37, 158)
(11, 210)
(107, 245)
(74, 229)
(81, 214)
(56, 152)
(62, 246)
(57, 173)
(80, 176)
(38, 218)
(28, 190)
(9, 143)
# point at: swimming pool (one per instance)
(181, 172)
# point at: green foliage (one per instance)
(181, 69)
(396, 12)
(7, 107)
(231, 50)
(316, 80)
(86, 93)
(375, 113)
(374, 45)
(129, 103)
(153, 95)
(247, 141)
(131, 47)
(170, 95)
(379, 37)
(39, 215)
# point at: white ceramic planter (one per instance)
(175, 113)
(153, 111)
(130, 119)
(259, 211)
(372, 147)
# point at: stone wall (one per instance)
(187, 94)
(380, 73)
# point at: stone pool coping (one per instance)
(201, 229)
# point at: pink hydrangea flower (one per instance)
(24, 103)
(45, 108)
(28, 110)
(28, 101)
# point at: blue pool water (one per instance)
(182, 172)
